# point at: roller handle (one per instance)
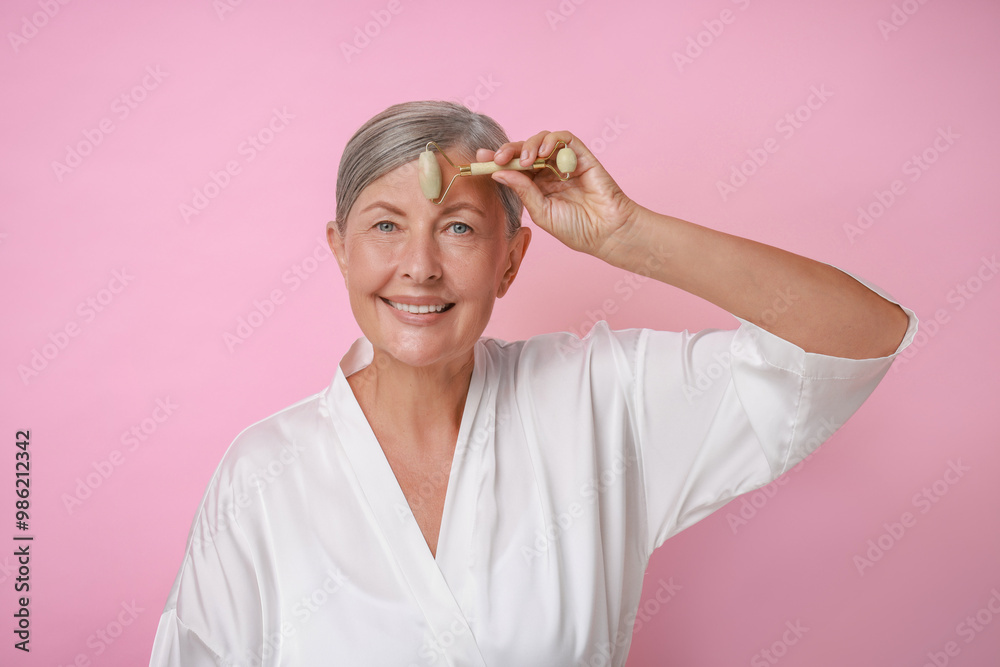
(483, 168)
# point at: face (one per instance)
(422, 278)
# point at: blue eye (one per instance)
(459, 227)
(385, 226)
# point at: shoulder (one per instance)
(276, 440)
(293, 422)
(261, 451)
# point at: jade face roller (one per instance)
(430, 171)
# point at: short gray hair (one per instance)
(399, 134)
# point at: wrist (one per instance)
(643, 244)
(619, 242)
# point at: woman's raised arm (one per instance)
(811, 304)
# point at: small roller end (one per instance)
(430, 175)
(566, 160)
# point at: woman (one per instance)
(452, 500)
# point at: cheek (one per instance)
(367, 268)
(475, 275)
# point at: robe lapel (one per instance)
(469, 469)
(448, 626)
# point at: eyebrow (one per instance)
(448, 210)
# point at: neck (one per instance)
(428, 400)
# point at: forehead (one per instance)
(401, 187)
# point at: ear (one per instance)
(336, 242)
(515, 253)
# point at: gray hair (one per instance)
(399, 134)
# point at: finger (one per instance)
(525, 188)
(484, 155)
(529, 151)
(507, 151)
(552, 139)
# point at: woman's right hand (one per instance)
(587, 212)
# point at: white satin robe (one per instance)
(575, 459)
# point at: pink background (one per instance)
(606, 71)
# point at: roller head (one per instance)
(430, 175)
(566, 160)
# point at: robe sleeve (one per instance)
(213, 615)
(721, 413)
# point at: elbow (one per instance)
(899, 326)
(879, 336)
(890, 331)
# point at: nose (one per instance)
(421, 258)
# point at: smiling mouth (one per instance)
(407, 308)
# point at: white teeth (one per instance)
(407, 308)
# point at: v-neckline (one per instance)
(436, 583)
(455, 530)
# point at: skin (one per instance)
(406, 248)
